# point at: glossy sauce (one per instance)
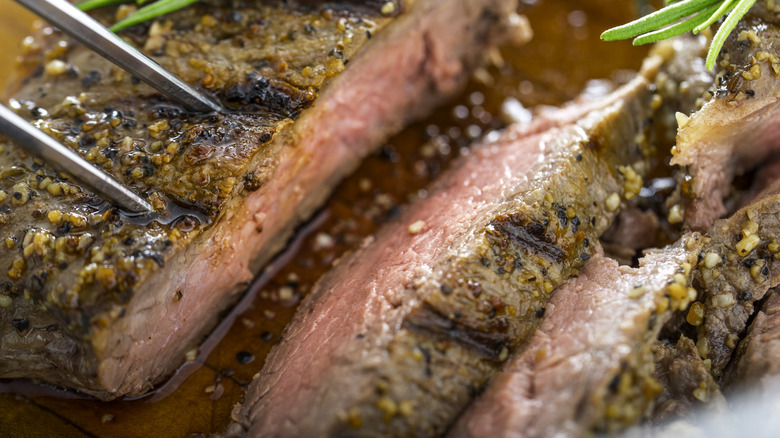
(553, 68)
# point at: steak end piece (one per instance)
(712, 147)
(114, 301)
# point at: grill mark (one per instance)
(428, 321)
(258, 93)
(530, 235)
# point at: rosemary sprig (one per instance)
(148, 12)
(679, 17)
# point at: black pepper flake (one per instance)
(578, 157)
(485, 262)
(129, 241)
(532, 278)
(586, 242)
(17, 195)
(445, 289)
(368, 34)
(560, 211)
(20, 324)
(749, 263)
(540, 312)
(765, 271)
(134, 80)
(576, 221)
(750, 92)
(245, 357)
(745, 295)
(614, 383)
(310, 29)
(584, 256)
(91, 78)
(64, 229)
(265, 137)
(266, 336)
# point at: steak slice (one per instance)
(757, 361)
(737, 129)
(590, 364)
(738, 265)
(687, 383)
(401, 335)
(108, 303)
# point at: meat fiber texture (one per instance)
(590, 364)
(738, 128)
(399, 337)
(108, 303)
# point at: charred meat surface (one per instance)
(592, 357)
(113, 301)
(400, 336)
(737, 129)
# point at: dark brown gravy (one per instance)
(553, 68)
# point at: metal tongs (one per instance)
(84, 29)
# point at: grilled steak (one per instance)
(399, 337)
(577, 331)
(108, 303)
(737, 267)
(687, 383)
(758, 355)
(737, 129)
(592, 357)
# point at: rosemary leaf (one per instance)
(724, 8)
(656, 20)
(725, 29)
(675, 29)
(151, 11)
(88, 5)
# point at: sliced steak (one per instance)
(738, 265)
(400, 336)
(737, 128)
(114, 301)
(687, 383)
(590, 364)
(757, 362)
